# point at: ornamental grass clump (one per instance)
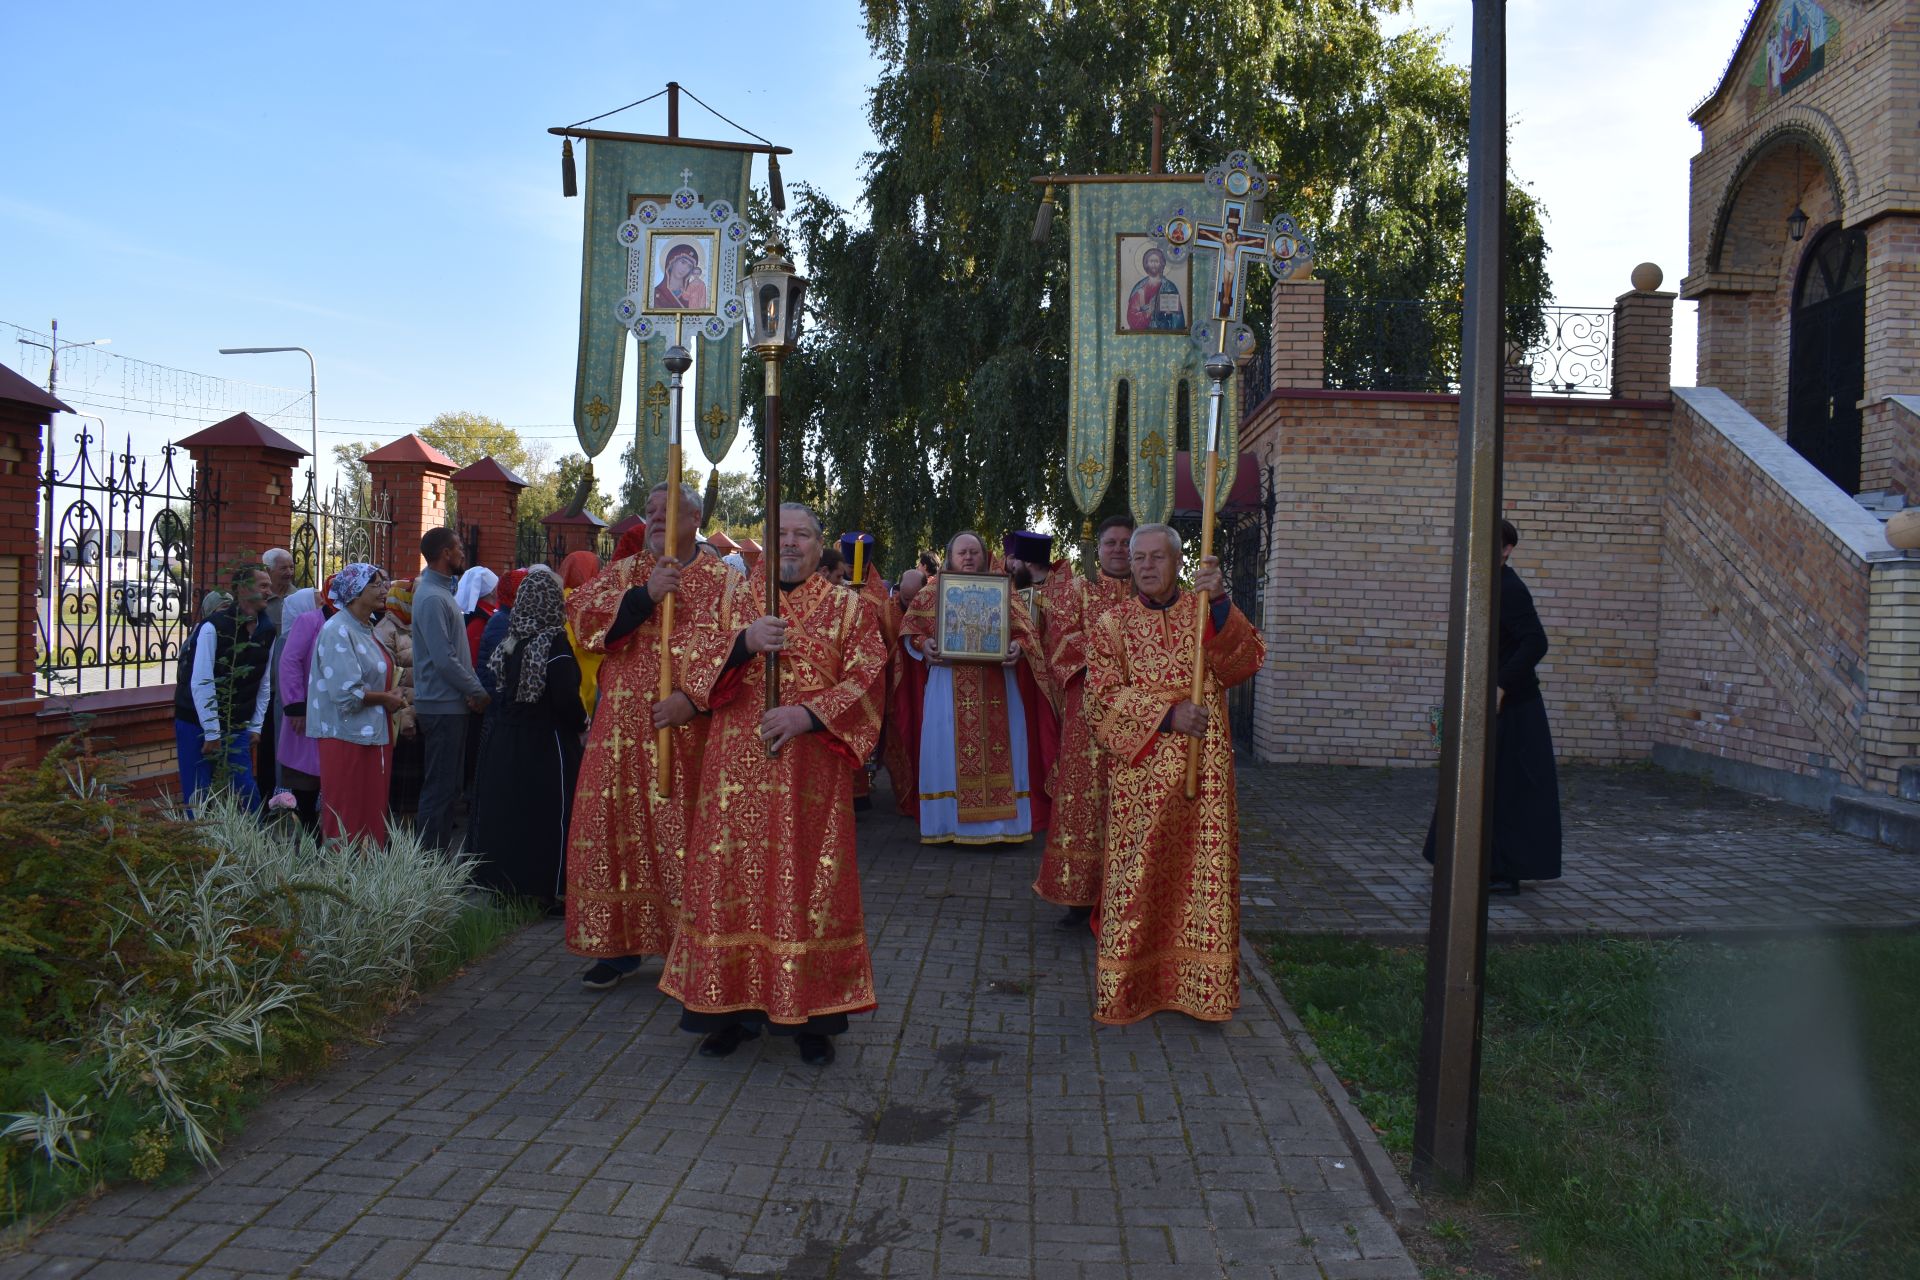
(158, 969)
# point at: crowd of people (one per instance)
(707, 814)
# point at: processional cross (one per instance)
(1237, 239)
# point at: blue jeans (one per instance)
(197, 773)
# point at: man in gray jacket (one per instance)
(445, 690)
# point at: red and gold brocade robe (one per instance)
(889, 617)
(1076, 842)
(983, 751)
(1169, 918)
(770, 903)
(625, 845)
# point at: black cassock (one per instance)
(1526, 786)
(523, 786)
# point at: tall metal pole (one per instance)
(770, 552)
(677, 360)
(1447, 1103)
(1219, 367)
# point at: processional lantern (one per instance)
(773, 298)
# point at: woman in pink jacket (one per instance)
(302, 616)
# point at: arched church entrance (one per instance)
(1826, 363)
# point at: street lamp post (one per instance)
(52, 347)
(313, 406)
(774, 296)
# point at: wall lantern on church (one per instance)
(774, 298)
(1797, 224)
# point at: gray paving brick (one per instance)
(962, 1132)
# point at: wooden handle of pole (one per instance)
(663, 738)
(1200, 628)
(770, 553)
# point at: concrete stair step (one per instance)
(1892, 822)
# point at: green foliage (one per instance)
(930, 391)
(468, 437)
(160, 972)
(1663, 1109)
(73, 844)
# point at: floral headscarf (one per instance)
(400, 602)
(510, 587)
(345, 586)
(539, 615)
(475, 584)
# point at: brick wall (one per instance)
(1357, 587)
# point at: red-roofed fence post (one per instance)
(489, 502)
(255, 468)
(414, 477)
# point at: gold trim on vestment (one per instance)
(863, 1006)
(778, 946)
(1007, 839)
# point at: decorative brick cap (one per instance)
(410, 448)
(748, 547)
(625, 525)
(565, 519)
(723, 542)
(245, 430)
(486, 470)
(15, 389)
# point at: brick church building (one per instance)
(1712, 563)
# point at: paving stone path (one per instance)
(979, 1124)
(1331, 850)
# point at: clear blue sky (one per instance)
(374, 181)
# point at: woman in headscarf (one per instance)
(475, 596)
(496, 629)
(395, 631)
(299, 755)
(577, 570)
(350, 698)
(524, 796)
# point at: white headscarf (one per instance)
(475, 583)
(300, 603)
(734, 560)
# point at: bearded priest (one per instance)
(1169, 916)
(771, 931)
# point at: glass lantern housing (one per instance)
(774, 296)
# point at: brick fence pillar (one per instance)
(25, 411)
(413, 476)
(1297, 342)
(1643, 338)
(489, 499)
(254, 464)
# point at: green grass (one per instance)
(123, 1150)
(1663, 1109)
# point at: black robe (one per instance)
(523, 793)
(1526, 785)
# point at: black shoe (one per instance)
(604, 975)
(1076, 918)
(815, 1051)
(861, 804)
(1505, 888)
(726, 1040)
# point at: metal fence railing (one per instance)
(127, 549)
(1414, 345)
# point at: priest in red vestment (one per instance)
(987, 731)
(626, 842)
(771, 932)
(1076, 842)
(1169, 918)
